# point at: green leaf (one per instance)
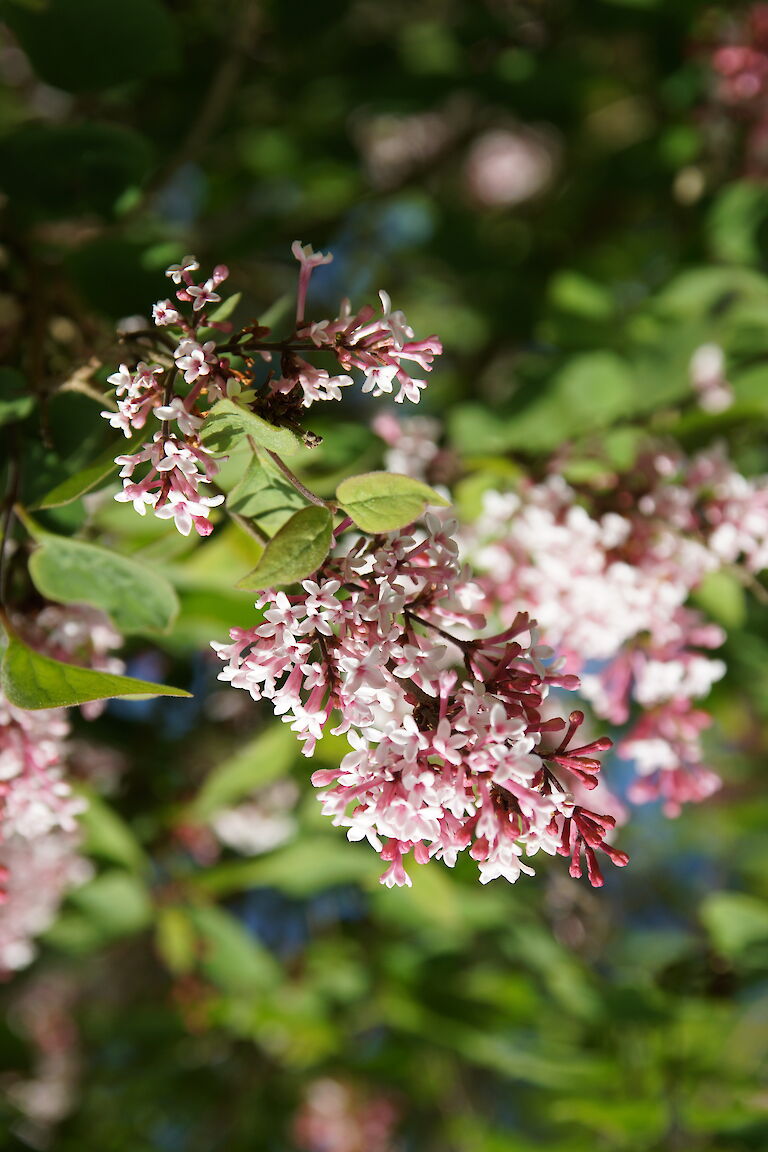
(384, 501)
(86, 45)
(15, 401)
(175, 939)
(262, 759)
(735, 220)
(113, 905)
(591, 391)
(735, 921)
(136, 598)
(117, 901)
(697, 292)
(231, 958)
(295, 552)
(723, 598)
(32, 681)
(264, 496)
(96, 474)
(576, 294)
(228, 422)
(307, 866)
(107, 836)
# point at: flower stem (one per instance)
(297, 484)
(8, 513)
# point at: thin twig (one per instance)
(249, 526)
(215, 103)
(8, 513)
(463, 644)
(297, 484)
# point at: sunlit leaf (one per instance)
(229, 422)
(295, 552)
(31, 680)
(137, 598)
(385, 501)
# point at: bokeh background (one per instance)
(572, 193)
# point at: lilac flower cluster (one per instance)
(376, 345)
(450, 749)
(610, 587)
(174, 463)
(39, 835)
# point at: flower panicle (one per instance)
(446, 730)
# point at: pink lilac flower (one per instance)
(171, 486)
(195, 360)
(612, 588)
(382, 348)
(449, 750)
(39, 871)
(202, 294)
(164, 313)
(707, 371)
(261, 822)
(38, 810)
(308, 261)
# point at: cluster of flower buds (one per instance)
(609, 588)
(191, 371)
(450, 747)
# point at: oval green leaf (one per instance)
(228, 422)
(264, 496)
(295, 552)
(133, 596)
(385, 501)
(33, 681)
(96, 474)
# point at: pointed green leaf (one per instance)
(259, 761)
(228, 422)
(97, 474)
(384, 501)
(31, 680)
(264, 496)
(295, 552)
(231, 958)
(107, 835)
(133, 595)
(302, 868)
